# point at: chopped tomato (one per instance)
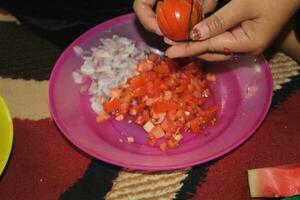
(162, 68)
(192, 68)
(165, 99)
(210, 111)
(152, 141)
(157, 132)
(139, 92)
(153, 58)
(162, 107)
(172, 143)
(112, 106)
(195, 125)
(144, 66)
(163, 146)
(137, 82)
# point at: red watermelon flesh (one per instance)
(277, 181)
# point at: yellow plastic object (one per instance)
(6, 134)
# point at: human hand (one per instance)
(146, 15)
(241, 26)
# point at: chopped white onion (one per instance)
(108, 66)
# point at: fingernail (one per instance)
(200, 33)
(195, 34)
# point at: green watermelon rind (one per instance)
(292, 198)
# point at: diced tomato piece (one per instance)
(168, 134)
(210, 111)
(137, 82)
(156, 87)
(153, 57)
(150, 76)
(150, 101)
(112, 106)
(172, 144)
(124, 108)
(139, 92)
(152, 141)
(134, 110)
(181, 88)
(163, 87)
(165, 124)
(162, 107)
(171, 115)
(145, 116)
(163, 146)
(167, 95)
(171, 63)
(162, 68)
(186, 97)
(157, 132)
(139, 120)
(126, 98)
(211, 77)
(192, 68)
(179, 113)
(195, 126)
(170, 81)
(144, 66)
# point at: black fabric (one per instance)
(196, 176)
(282, 94)
(94, 184)
(63, 21)
(25, 55)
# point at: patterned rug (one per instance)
(44, 165)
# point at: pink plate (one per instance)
(243, 90)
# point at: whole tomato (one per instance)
(176, 17)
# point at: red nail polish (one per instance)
(227, 51)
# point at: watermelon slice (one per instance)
(277, 181)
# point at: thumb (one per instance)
(232, 14)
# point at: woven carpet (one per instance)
(45, 166)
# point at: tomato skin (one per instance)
(175, 19)
(162, 21)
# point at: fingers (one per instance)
(170, 42)
(215, 57)
(232, 14)
(209, 6)
(143, 10)
(225, 43)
